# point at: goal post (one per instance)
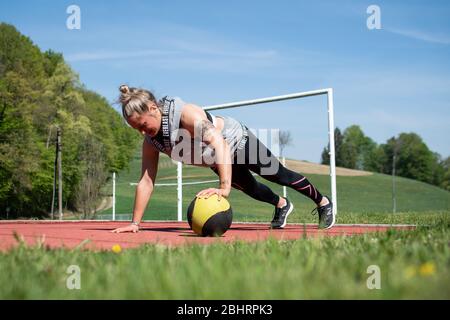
(330, 107)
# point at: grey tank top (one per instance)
(188, 150)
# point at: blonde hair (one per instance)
(135, 100)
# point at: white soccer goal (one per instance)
(330, 107)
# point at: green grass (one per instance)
(413, 264)
(360, 199)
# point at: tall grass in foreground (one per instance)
(413, 264)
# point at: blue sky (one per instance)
(388, 81)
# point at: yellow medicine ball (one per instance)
(210, 216)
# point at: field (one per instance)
(361, 199)
(412, 264)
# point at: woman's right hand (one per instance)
(130, 228)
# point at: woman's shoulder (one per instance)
(178, 102)
(176, 99)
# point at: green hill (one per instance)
(360, 198)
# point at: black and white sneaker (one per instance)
(327, 218)
(280, 215)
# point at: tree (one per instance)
(375, 159)
(445, 183)
(93, 176)
(39, 91)
(338, 140)
(413, 158)
(52, 60)
(285, 140)
(438, 170)
(352, 149)
(356, 148)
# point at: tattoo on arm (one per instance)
(207, 129)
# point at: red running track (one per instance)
(96, 234)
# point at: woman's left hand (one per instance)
(210, 191)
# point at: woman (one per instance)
(187, 133)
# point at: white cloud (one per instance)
(420, 35)
(184, 47)
(223, 61)
(115, 55)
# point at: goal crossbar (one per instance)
(268, 99)
(328, 92)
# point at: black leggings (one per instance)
(242, 179)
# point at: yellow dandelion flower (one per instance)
(427, 269)
(116, 248)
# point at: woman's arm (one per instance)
(194, 120)
(144, 189)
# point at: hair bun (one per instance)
(124, 88)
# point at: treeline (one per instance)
(38, 93)
(410, 155)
